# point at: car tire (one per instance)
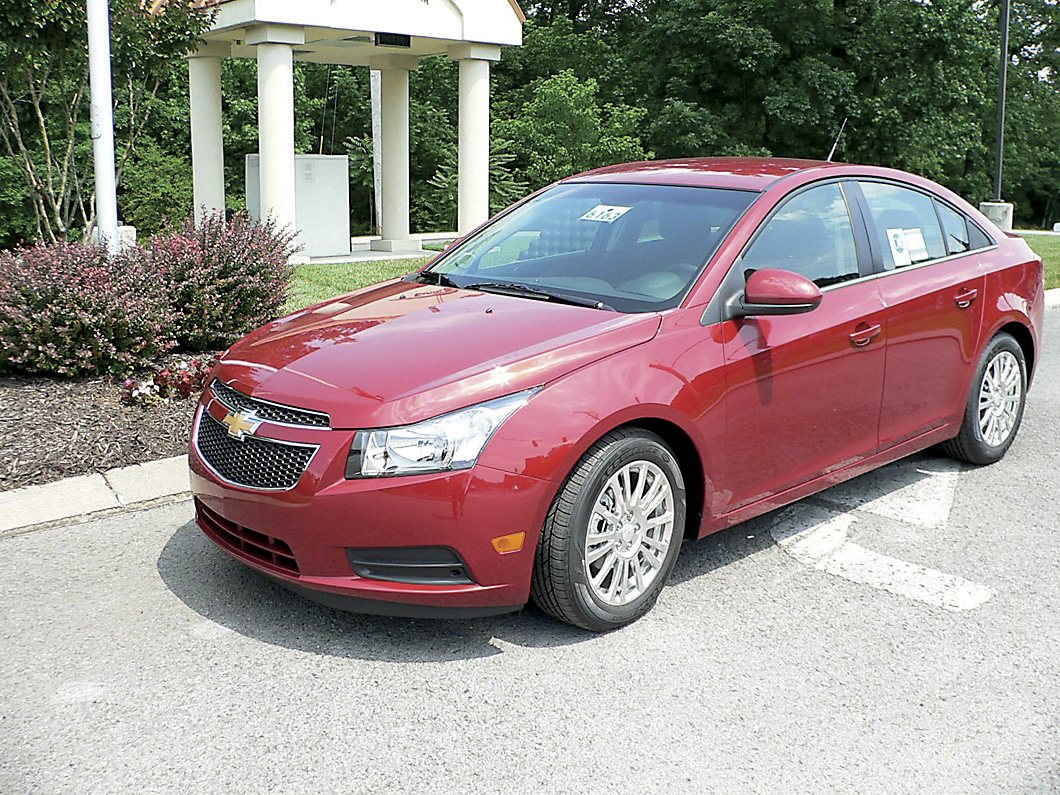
(612, 534)
(994, 410)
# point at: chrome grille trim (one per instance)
(254, 462)
(276, 413)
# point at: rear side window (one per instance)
(955, 228)
(907, 227)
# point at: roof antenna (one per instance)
(836, 142)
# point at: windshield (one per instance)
(632, 248)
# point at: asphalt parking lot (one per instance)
(898, 634)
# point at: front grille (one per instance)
(251, 544)
(251, 461)
(266, 410)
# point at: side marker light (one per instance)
(509, 543)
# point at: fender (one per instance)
(546, 438)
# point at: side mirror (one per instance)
(771, 291)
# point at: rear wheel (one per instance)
(613, 533)
(995, 405)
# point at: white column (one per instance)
(207, 140)
(474, 137)
(102, 123)
(395, 134)
(276, 120)
(376, 85)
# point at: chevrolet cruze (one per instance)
(630, 358)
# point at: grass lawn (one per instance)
(1048, 248)
(312, 283)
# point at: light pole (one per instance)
(102, 116)
(1002, 81)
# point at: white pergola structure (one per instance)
(388, 35)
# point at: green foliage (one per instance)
(597, 81)
(69, 309)
(157, 186)
(44, 84)
(224, 278)
(548, 50)
(564, 130)
(504, 188)
(16, 207)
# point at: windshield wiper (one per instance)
(425, 277)
(530, 291)
(515, 288)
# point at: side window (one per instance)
(811, 234)
(955, 228)
(906, 224)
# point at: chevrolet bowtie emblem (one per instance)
(241, 424)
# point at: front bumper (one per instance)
(301, 537)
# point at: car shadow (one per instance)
(887, 486)
(233, 596)
(240, 599)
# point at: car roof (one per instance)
(747, 173)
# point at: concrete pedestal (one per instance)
(998, 212)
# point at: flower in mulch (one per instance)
(178, 382)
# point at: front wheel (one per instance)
(613, 533)
(995, 405)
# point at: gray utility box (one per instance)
(322, 202)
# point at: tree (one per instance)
(504, 188)
(564, 129)
(43, 87)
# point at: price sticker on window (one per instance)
(899, 250)
(606, 213)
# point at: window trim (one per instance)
(730, 284)
(870, 225)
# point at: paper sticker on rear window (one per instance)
(899, 252)
(606, 213)
(916, 245)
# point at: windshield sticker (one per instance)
(896, 237)
(606, 213)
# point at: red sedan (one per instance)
(630, 358)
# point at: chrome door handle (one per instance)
(965, 297)
(863, 336)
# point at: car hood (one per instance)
(399, 352)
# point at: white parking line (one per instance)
(918, 492)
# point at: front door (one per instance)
(803, 391)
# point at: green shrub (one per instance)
(225, 278)
(156, 186)
(69, 309)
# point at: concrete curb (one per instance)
(1052, 298)
(73, 498)
(141, 485)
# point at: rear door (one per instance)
(932, 286)
(803, 394)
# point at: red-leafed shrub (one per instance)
(226, 277)
(69, 309)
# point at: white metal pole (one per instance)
(102, 115)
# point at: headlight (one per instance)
(452, 441)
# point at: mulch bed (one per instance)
(52, 429)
